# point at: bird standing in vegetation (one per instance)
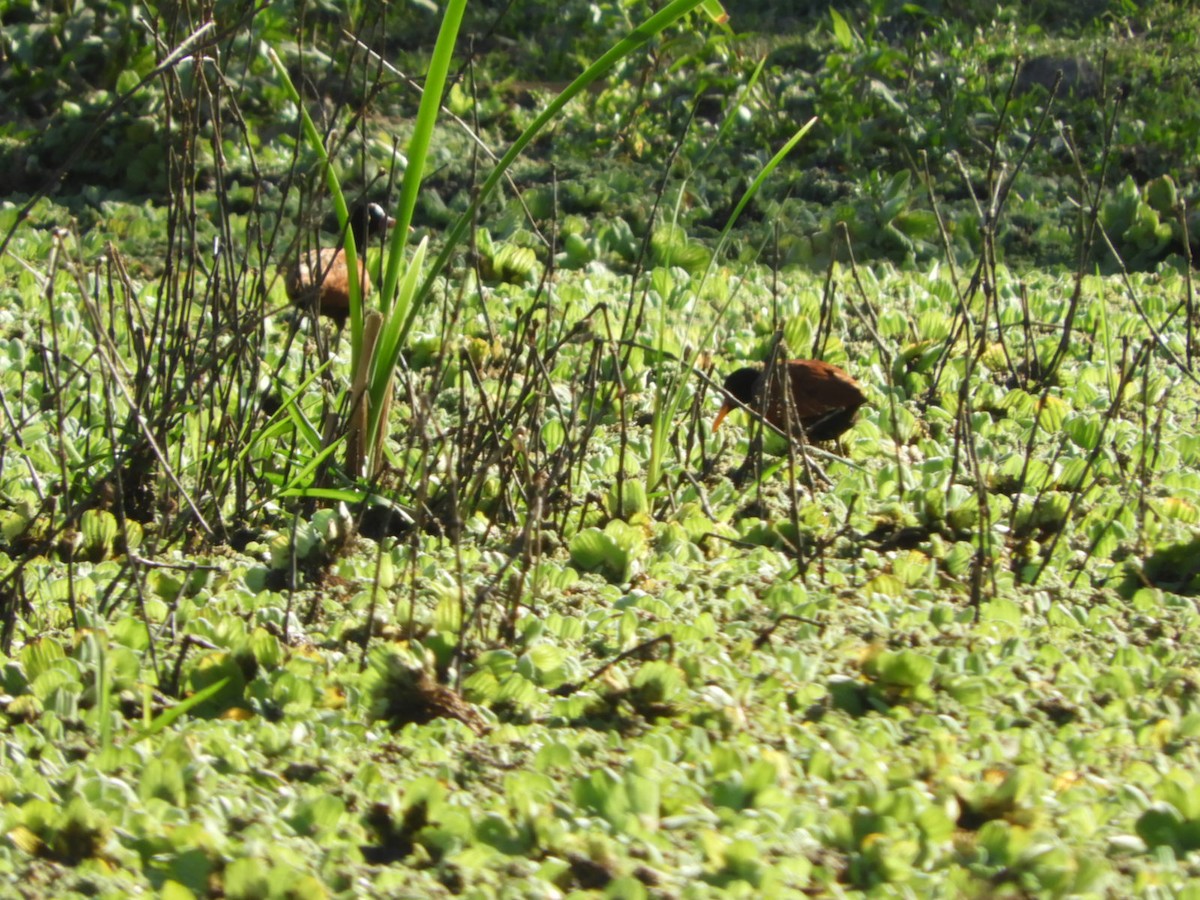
(824, 399)
(320, 279)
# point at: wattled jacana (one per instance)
(321, 277)
(824, 398)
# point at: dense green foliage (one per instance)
(560, 643)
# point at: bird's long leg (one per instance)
(752, 464)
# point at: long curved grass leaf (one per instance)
(166, 717)
(339, 201)
(418, 147)
(641, 35)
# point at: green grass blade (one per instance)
(670, 395)
(418, 147)
(165, 718)
(305, 474)
(336, 495)
(390, 344)
(641, 35)
(339, 204)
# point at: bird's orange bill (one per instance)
(726, 409)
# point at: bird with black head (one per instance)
(824, 399)
(320, 279)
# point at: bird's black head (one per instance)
(368, 220)
(741, 384)
(739, 388)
